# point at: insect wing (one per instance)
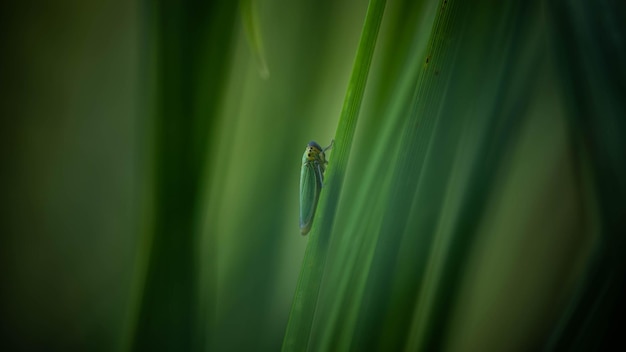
(309, 194)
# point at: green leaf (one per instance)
(304, 304)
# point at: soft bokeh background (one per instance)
(149, 173)
(69, 112)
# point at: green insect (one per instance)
(311, 181)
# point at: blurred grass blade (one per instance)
(250, 17)
(379, 308)
(190, 42)
(305, 298)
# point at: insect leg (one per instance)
(330, 146)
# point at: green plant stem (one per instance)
(305, 299)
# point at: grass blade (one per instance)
(305, 299)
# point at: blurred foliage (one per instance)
(150, 162)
